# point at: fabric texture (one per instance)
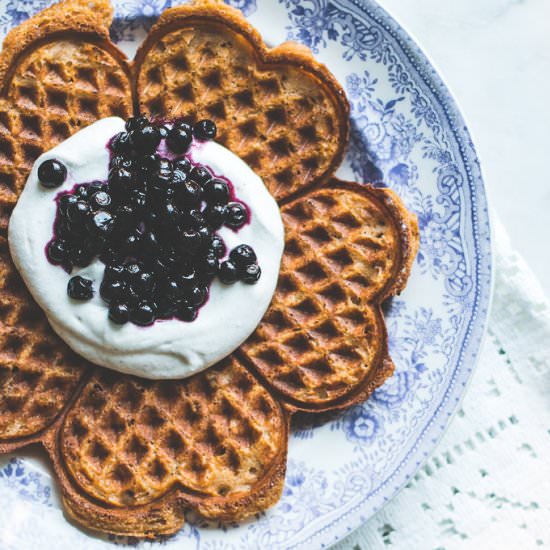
(488, 483)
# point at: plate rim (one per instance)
(426, 441)
(428, 438)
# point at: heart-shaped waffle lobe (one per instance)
(282, 112)
(323, 344)
(220, 437)
(133, 455)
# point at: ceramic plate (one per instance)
(408, 133)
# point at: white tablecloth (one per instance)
(488, 483)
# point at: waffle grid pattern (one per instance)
(320, 335)
(48, 100)
(127, 441)
(38, 373)
(281, 122)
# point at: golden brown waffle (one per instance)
(51, 70)
(323, 344)
(278, 109)
(215, 442)
(132, 455)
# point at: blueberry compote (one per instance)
(153, 224)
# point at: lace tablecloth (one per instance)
(488, 484)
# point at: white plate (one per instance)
(406, 131)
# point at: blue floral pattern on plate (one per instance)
(408, 134)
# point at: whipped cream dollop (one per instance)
(168, 348)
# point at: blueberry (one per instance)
(80, 288)
(145, 139)
(100, 200)
(196, 296)
(170, 257)
(144, 283)
(150, 242)
(110, 256)
(114, 271)
(148, 163)
(132, 270)
(187, 277)
(81, 256)
(152, 221)
(190, 240)
(183, 165)
(136, 123)
(161, 180)
(158, 193)
(102, 223)
(217, 246)
(52, 173)
(120, 177)
(130, 243)
(62, 229)
(216, 215)
(200, 174)
(178, 178)
(137, 200)
(125, 217)
(82, 191)
(77, 229)
(58, 251)
(216, 191)
(237, 215)
(171, 289)
(186, 313)
(189, 194)
(132, 297)
(205, 129)
(78, 212)
(95, 187)
(179, 138)
(206, 237)
(169, 214)
(138, 183)
(121, 161)
(165, 308)
(65, 201)
(143, 314)
(112, 289)
(163, 131)
(229, 272)
(193, 218)
(210, 264)
(120, 144)
(251, 274)
(242, 255)
(165, 166)
(118, 313)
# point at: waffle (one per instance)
(132, 456)
(281, 111)
(215, 442)
(44, 99)
(322, 344)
